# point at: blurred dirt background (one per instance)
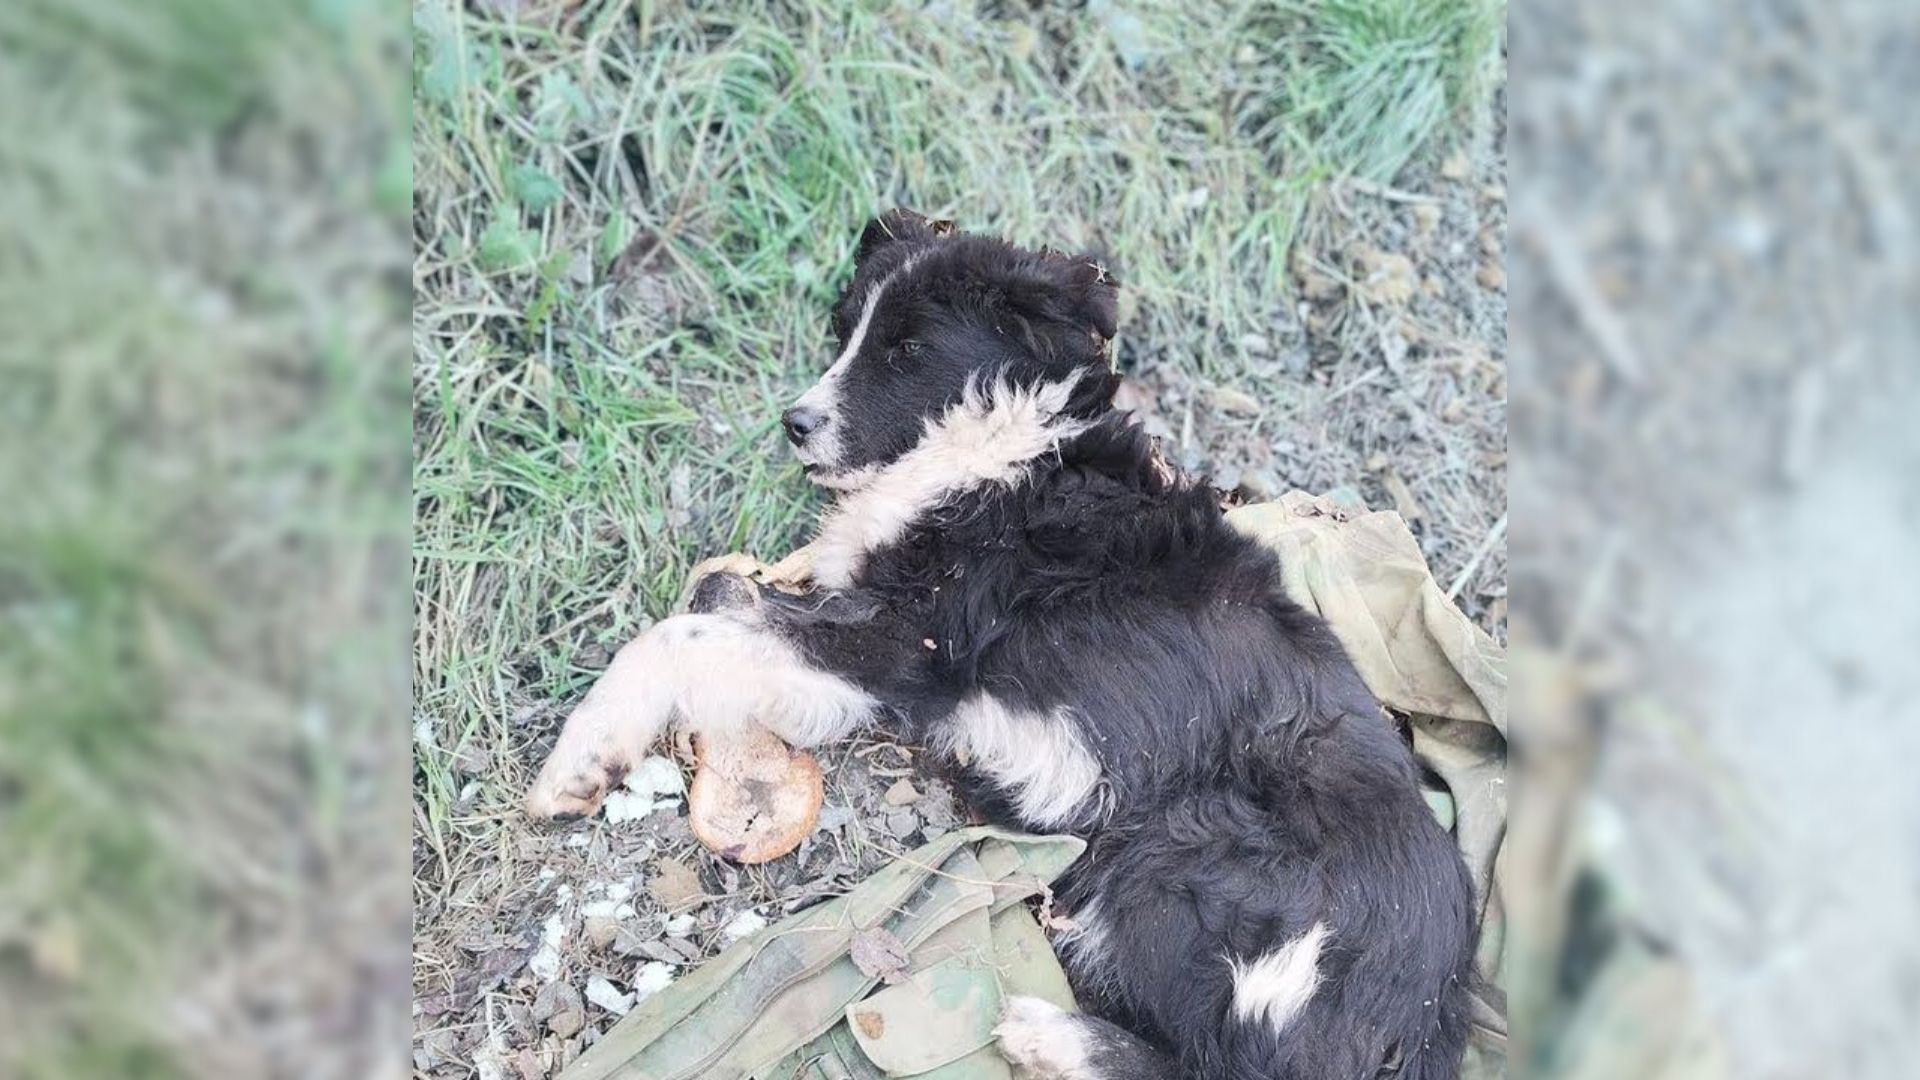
(1717, 496)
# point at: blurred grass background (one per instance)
(201, 280)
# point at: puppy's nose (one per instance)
(801, 422)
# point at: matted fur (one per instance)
(990, 436)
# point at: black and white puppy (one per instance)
(1010, 576)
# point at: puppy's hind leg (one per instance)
(1046, 1042)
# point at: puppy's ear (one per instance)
(895, 225)
(1092, 294)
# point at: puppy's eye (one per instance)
(911, 348)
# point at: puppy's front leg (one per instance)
(715, 671)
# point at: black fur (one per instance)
(955, 306)
(1252, 786)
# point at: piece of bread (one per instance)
(754, 798)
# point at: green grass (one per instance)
(582, 436)
(1361, 86)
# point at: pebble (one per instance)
(1261, 483)
(601, 930)
(903, 823)
(558, 1004)
(603, 993)
(650, 980)
(745, 924)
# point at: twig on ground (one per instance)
(1479, 555)
(1391, 194)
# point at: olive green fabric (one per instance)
(790, 1003)
(762, 1007)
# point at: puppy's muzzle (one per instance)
(802, 422)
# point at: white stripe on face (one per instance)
(823, 448)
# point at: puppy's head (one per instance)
(931, 312)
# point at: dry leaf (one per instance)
(637, 256)
(675, 884)
(1403, 500)
(559, 1005)
(1230, 400)
(879, 955)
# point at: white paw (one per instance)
(1044, 1040)
(573, 785)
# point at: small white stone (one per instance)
(745, 924)
(608, 996)
(656, 775)
(653, 977)
(624, 806)
(546, 959)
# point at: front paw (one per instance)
(722, 591)
(1043, 1040)
(737, 566)
(568, 792)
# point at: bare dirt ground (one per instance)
(1385, 376)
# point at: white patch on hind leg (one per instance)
(1038, 759)
(1044, 1040)
(1276, 987)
